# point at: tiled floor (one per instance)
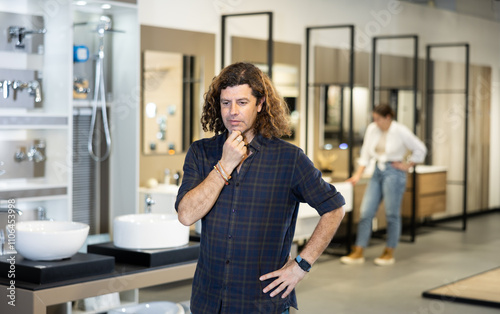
(438, 256)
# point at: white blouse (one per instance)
(399, 141)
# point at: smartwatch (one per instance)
(303, 264)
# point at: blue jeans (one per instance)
(388, 184)
(286, 311)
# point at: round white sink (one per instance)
(162, 307)
(149, 231)
(45, 240)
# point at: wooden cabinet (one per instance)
(431, 198)
(379, 221)
(431, 194)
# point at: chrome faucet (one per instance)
(149, 203)
(78, 86)
(7, 209)
(21, 32)
(35, 153)
(5, 84)
(42, 213)
(33, 88)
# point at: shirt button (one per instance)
(230, 236)
(227, 261)
(237, 184)
(234, 210)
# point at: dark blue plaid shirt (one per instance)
(249, 230)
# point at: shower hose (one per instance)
(99, 90)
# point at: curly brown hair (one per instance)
(271, 121)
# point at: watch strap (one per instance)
(303, 264)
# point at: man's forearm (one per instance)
(198, 202)
(322, 235)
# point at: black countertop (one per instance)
(120, 269)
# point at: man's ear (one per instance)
(261, 103)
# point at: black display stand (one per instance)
(350, 139)
(430, 92)
(148, 258)
(78, 266)
(375, 88)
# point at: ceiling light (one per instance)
(106, 6)
(81, 2)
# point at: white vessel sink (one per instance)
(45, 240)
(149, 231)
(163, 307)
(430, 168)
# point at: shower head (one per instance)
(104, 24)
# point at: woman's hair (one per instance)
(384, 111)
(271, 121)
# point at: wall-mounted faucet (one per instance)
(177, 178)
(20, 33)
(42, 213)
(36, 152)
(4, 85)
(149, 203)
(80, 86)
(33, 88)
(162, 124)
(7, 209)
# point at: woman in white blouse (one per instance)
(387, 142)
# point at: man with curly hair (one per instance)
(245, 184)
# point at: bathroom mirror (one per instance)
(334, 114)
(333, 127)
(171, 88)
(331, 92)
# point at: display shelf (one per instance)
(33, 189)
(30, 184)
(87, 103)
(32, 120)
(44, 198)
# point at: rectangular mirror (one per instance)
(333, 127)
(171, 87)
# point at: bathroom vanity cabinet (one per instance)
(34, 298)
(430, 195)
(430, 192)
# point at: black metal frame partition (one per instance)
(351, 113)
(270, 46)
(415, 121)
(429, 91)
